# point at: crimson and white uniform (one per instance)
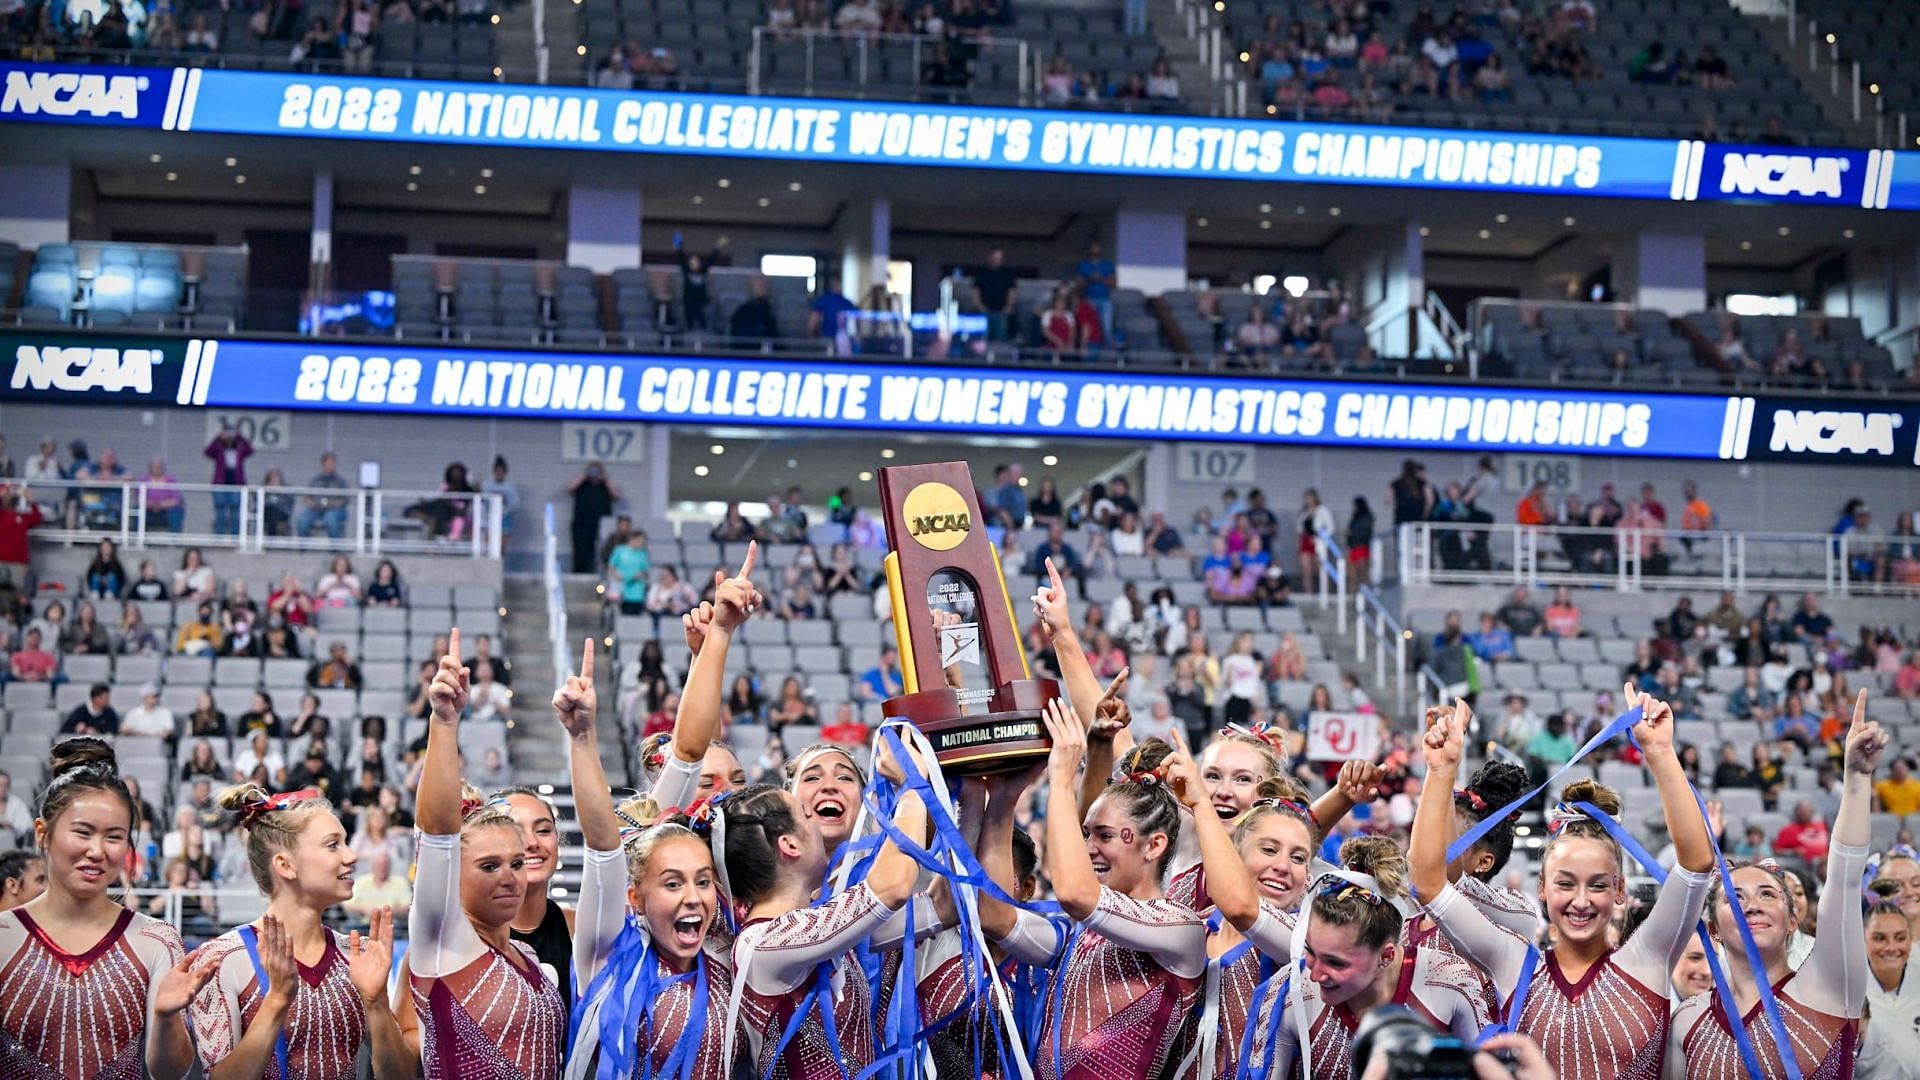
(1436, 985)
(1231, 994)
(597, 924)
(68, 1016)
(1126, 989)
(482, 1014)
(324, 1029)
(1612, 1024)
(1820, 1003)
(775, 961)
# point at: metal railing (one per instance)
(1432, 690)
(550, 577)
(1644, 559)
(1845, 80)
(1376, 631)
(874, 58)
(1331, 559)
(142, 513)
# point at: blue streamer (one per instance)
(1623, 723)
(251, 939)
(632, 986)
(1274, 988)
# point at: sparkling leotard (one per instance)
(1820, 1003)
(597, 925)
(1127, 986)
(482, 1015)
(324, 1029)
(67, 1016)
(1612, 1023)
(776, 961)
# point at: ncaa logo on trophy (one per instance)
(962, 661)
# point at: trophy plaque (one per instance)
(953, 618)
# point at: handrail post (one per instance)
(1740, 546)
(1620, 546)
(753, 62)
(1400, 679)
(379, 520)
(1360, 628)
(1841, 569)
(360, 522)
(1726, 561)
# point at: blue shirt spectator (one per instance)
(1054, 547)
(881, 681)
(1492, 641)
(1096, 274)
(1009, 499)
(830, 310)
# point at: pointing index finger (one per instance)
(586, 661)
(453, 644)
(1860, 707)
(1053, 573)
(753, 554)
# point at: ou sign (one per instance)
(1333, 736)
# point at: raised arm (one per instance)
(1108, 738)
(894, 873)
(1693, 848)
(437, 804)
(1228, 882)
(603, 872)
(1004, 792)
(1056, 619)
(1359, 784)
(1836, 973)
(1074, 883)
(703, 710)
(1442, 746)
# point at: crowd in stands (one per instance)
(342, 36)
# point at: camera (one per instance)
(1411, 1047)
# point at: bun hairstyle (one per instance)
(1565, 821)
(272, 824)
(79, 765)
(1269, 743)
(1281, 795)
(756, 818)
(1496, 785)
(1338, 902)
(477, 811)
(1138, 784)
(653, 754)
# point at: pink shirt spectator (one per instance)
(33, 665)
(1809, 840)
(1563, 622)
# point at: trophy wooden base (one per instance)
(1010, 735)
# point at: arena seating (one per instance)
(133, 285)
(1882, 35)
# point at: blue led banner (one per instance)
(392, 377)
(821, 129)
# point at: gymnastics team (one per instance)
(1192, 932)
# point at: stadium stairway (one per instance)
(1340, 648)
(1182, 53)
(1815, 83)
(539, 754)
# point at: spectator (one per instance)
(1554, 745)
(487, 698)
(1055, 548)
(339, 587)
(1162, 538)
(202, 636)
(1710, 70)
(1651, 65)
(1096, 277)
(1533, 508)
(1235, 583)
(1492, 642)
(1751, 695)
(1257, 339)
(827, 316)
(1563, 615)
(1162, 83)
(1008, 501)
(668, 595)
(148, 586)
(1805, 836)
(881, 681)
(1519, 615)
(95, 716)
(314, 771)
(630, 564)
(309, 723)
(261, 716)
(194, 580)
(1058, 326)
(858, 17)
(149, 718)
(327, 511)
(494, 772)
(1492, 81)
(15, 818)
(379, 887)
(85, 635)
(1126, 539)
(339, 672)
(1810, 625)
(1906, 682)
(733, 527)
(291, 602)
(995, 293)
(754, 319)
(206, 717)
(201, 763)
(1796, 723)
(31, 662)
(52, 623)
(593, 498)
(1899, 793)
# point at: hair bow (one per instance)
(1347, 890)
(1561, 816)
(1903, 851)
(1147, 777)
(253, 811)
(1472, 798)
(1275, 738)
(470, 807)
(700, 813)
(1290, 806)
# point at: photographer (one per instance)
(1394, 1044)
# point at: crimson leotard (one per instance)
(1125, 991)
(1820, 1004)
(68, 1016)
(1610, 1025)
(775, 965)
(482, 1014)
(325, 1027)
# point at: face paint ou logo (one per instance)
(937, 516)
